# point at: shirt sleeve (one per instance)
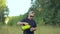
(24, 20)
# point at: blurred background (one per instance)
(47, 15)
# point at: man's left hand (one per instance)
(33, 29)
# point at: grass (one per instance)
(40, 30)
(48, 30)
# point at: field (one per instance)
(40, 30)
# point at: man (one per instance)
(29, 20)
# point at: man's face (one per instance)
(31, 16)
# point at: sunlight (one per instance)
(18, 7)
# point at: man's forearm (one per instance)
(21, 23)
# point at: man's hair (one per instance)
(31, 12)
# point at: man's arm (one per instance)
(21, 23)
(34, 28)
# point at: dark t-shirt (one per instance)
(32, 23)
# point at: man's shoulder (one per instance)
(25, 18)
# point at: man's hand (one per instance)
(33, 29)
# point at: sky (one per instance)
(18, 7)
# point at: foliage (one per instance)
(47, 10)
(14, 19)
(3, 8)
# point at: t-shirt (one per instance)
(32, 23)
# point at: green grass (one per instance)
(40, 30)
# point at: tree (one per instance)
(48, 10)
(3, 8)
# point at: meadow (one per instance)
(43, 29)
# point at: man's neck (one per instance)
(29, 18)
